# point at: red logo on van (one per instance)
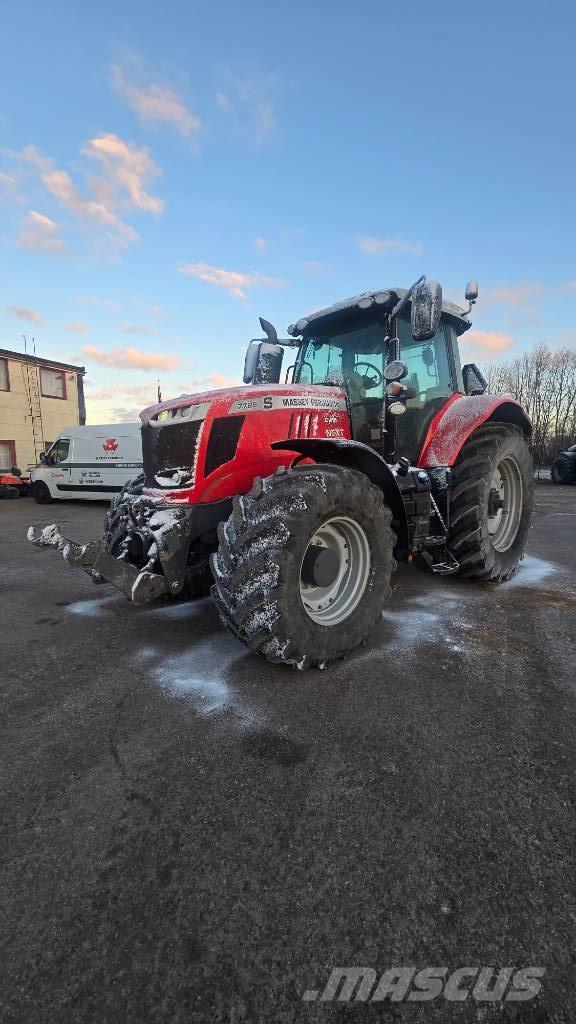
(111, 445)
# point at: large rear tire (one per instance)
(304, 563)
(563, 470)
(491, 502)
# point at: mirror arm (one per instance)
(404, 301)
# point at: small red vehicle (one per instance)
(293, 500)
(13, 484)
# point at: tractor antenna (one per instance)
(406, 299)
(25, 345)
(269, 330)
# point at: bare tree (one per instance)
(544, 382)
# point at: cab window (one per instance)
(428, 366)
(59, 451)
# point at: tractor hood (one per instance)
(231, 401)
(192, 444)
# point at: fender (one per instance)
(355, 455)
(459, 417)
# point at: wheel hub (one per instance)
(335, 571)
(505, 499)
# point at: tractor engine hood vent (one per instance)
(170, 446)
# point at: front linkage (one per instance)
(140, 538)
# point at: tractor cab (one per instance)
(396, 378)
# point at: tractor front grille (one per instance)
(169, 453)
(223, 441)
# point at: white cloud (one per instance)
(40, 233)
(127, 169)
(23, 313)
(236, 282)
(154, 102)
(385, 246)
(247, 98)
(139, 329)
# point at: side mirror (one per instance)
(474, 381)
(426, 310)
(43, 457)
(263, 363)
(15, 471)
(471, 293)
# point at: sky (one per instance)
(170, 172)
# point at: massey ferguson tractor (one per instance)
(293, 500)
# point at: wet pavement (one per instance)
(190, 834)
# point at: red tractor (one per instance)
(292, 501)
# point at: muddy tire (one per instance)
(491, 502)
(41, 493)
(563, 470)
(291, 600)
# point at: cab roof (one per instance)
(367, 306)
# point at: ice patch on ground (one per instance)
(178, 609)
(92, 609)
(199, 673)
(532, 571)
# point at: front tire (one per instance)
(41, 493)
(491, 502)
(304, 563)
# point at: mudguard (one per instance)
(459, 417)
(355, 455)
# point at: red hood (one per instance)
(228, 395)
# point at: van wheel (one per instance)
(41, 493)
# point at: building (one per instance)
(39, 398)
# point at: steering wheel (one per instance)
(370, 382)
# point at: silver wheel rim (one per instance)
(505, 504)
(332, 604)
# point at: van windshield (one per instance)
(59, 450)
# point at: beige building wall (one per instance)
(15, 419)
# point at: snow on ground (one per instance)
(532, 571)
(200, 675)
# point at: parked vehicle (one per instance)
(13, 484)
(92, 463)
(296, 499)
(564, 468)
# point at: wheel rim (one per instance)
(505, 504)
(343, 544)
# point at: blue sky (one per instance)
(171, 172)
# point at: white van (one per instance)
(88, 462)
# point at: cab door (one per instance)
(431, 374)
(59, 459)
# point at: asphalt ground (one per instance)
(189, 834)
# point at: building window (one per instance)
(52, 383)
(4, 375)
(7, 454)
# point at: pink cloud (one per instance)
(236, 282)
(23, 313)
(260, 243)
(76, 328)
(487, 343)
(40, 233)
(132, 359)
(519, 294)
(157, 103)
